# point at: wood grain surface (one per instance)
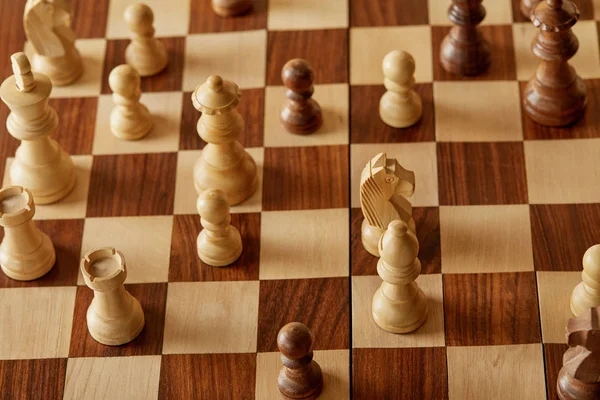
(133, 184)
(322, 304)
(553, 355)
(200, 376)
(491, 309)
(83, 13)
(32, 379)
(315, 46)
(367, 127)
(187, 266)
(386, 13)
(410, 373)
(256, 18)
(481, 173)
(152, 297)
(76, 123)
(305, 178)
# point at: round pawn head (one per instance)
(399, 67)
(124, 80)
(591, 263)
(297, 75)
(212, 206)
(140, 18)
(295, 340)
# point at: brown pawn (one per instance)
(464, 51)
(300, 377)
(579, 377)
(555, 96)
(300, 114)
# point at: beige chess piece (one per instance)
(587, 294)
(48, 29)
(224, 164)
(114, 317)
(219, 243)
(145, 53)
(26, 253)
(399, 305)
(129, 119)
(384, 186)
(40, 164)
(400, 106)
(231, 8)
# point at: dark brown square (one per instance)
(207, 376)
(185, 265)
(76, 123)
(586, 8)
(562, 233)
(553, 355)
(388, 13)
(367, 127)
(251, 107)
(132, 184)
(304, 178)
(152, 297)
(321, 304)
(503, 65)
(204, 19)
(481, 173)
(90, 21)
(12, 34)
(586, 127)
(168, 80)
(66, 235)
(491, 309)
(33, 379)
(427, 220)
(410, 373)
(326, 50)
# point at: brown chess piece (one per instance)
(300, 377)
(464, 51)
(300, 114)
(579, 377)
(556, 95)
(527, 7)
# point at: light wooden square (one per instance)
(298, 244)
(145, 242)
(366, 333)
(185, 193)
(477, 111)
(496, 372)
(113, 378)
(90, 82)
(36, 322)
(307, 14)
(235, 56)
(554, 291)
(586, 62)
(74, 205)
(333, 100)
(165, 108)
(333, 363)
(368, 46)
(171, 18)
(418, 157)
(480, 239)
(563, 171)
(211, 317)
(498, 12)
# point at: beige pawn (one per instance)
(224, 164)
(586, 295)
(40, 164)
(26, 253)
(219, 243)
(129, 119)
(399, 305)
(145, 53)
(114, 317)
(47, 26)
(400, 106)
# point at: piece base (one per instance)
(241, 8)
(400, 329)
(26, 263)
(464, 59)
(561, 109)
(124, 337)
(62, 71)
(147, 65)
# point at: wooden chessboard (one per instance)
(504, 210)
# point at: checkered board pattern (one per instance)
(504, 209)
